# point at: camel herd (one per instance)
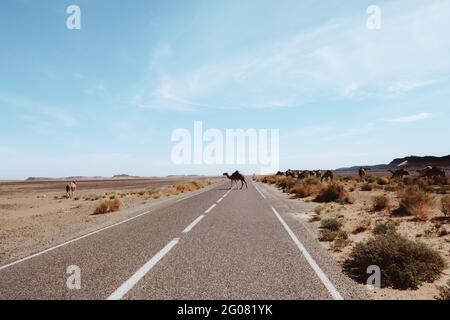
(430, 172)
(303, 174)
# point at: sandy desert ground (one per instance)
(358, 219)
(37, 214)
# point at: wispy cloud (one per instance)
(411, 118)
(340, 59)
(58, 114)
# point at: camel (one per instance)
(400, 173)
(362, 173)
(236, 176)
(304, 174)
(327, 175)
(317, 173)
(70, 189)
(431, 172)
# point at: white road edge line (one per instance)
(130, 283)
(322, 276)
(219, 201)
(210, 208)
(192, 225)
(257, 189)
(73, 240)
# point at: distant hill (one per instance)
(413, 162)
(125, 176)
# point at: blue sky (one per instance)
(105, 99)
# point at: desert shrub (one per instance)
(371, 179)
(367, 187)
(404, 264)
(381, 203)
(307, 188)
(334, 192)
(383, 181)
(331, 224)
(392, 187)
(287, 183)
(445, 205)
(109, 205)
(269, 179)
(318, 209)
(339, 244)
(383, 227)
(414, 201)
(444, 292)
(329, 235)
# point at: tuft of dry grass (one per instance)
(110, 205)
(334, 192)
(414, 201)
(445, 205)
(381, 203)
(367, 187)
(383, 181)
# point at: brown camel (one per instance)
(431, 172)
(70, 189)
(362, 173)
(400, 173)
(327, 175)
(237, 176)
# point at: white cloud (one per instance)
(58, 114)
(341, 59)
(411, 118)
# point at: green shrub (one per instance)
(328, 235)
(383, 227)
(331, 224)
(404, 264)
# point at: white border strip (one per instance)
(257, 189)
(130, 283)
(322, 276)
(211, 208)
(192, 225)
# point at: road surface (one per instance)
(218, 244)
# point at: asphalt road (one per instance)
(218, 244)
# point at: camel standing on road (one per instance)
(70, 189)
(237, 176)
